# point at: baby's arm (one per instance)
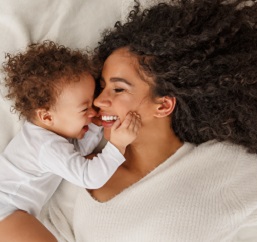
(90, 141)
(61, 159)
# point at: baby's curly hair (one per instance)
(204, 53)
(35, 77)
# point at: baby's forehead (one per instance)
(71, 81)
(82, 88)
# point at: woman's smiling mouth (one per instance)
(109, 118)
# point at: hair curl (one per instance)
(35, 77)
(204, 53)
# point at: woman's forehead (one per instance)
(123, 63)
(122, 56)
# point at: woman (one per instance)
(189, 70)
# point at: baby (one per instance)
(53, 89)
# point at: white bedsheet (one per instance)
(74, 23)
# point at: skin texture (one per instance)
(155, 141)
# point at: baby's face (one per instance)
(73, 110)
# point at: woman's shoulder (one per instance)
(226, 157)
(225, 149)
(214, 151)
(212, 157)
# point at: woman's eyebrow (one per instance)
(117, 79)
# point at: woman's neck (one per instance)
(151, 149)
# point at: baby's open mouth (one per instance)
(85, 128)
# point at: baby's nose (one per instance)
(91, 113)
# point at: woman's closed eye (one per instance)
(118, 90)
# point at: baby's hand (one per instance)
(125, 133)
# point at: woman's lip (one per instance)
(107, 124)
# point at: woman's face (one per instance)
(123, 90)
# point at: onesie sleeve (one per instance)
(59, 157)
(89, 142)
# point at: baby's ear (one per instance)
(44, 116)
(165, 106)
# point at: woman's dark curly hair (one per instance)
(204, 53)
(35, 78)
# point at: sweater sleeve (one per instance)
(59, 157)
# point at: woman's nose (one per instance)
(102, 100)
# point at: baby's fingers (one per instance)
(135, 123)
(138, 124)
(116, 124)
(127, 121)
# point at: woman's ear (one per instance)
(44, 116)
(165, 106)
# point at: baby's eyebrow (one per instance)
(82, 105)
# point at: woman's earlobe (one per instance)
(165, 106)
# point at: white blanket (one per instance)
(73, 23)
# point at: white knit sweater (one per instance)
(204, 193)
